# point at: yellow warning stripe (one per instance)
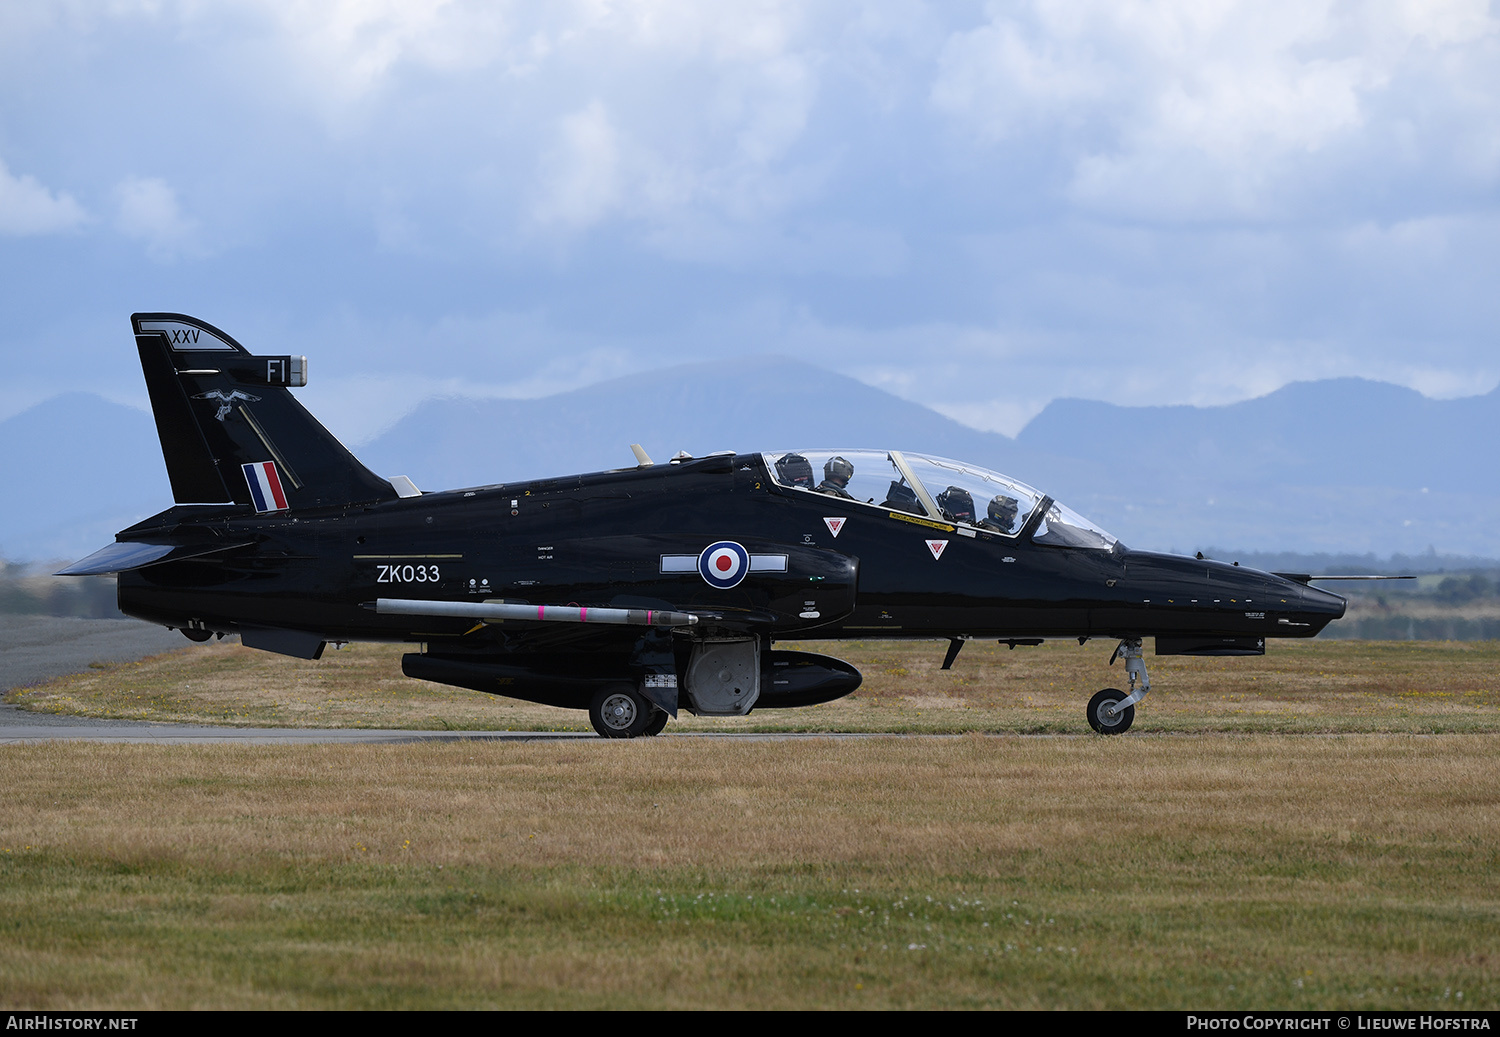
(914, 520)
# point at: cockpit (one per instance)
(938, 489)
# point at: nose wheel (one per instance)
(1106, 714)
(1111, 711)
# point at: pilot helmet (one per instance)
(838, 471)
(957, 503)
(795, 470)
(1002, 510)
(900, 494)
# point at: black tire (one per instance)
(1101, 721)
(656, 723)
(619, 711)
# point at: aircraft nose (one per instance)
(1315, 599)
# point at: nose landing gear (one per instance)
(1111, 711)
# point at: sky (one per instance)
(979, 207)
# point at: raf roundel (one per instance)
(723, 565)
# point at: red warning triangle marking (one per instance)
(936, 547)
(834, 525)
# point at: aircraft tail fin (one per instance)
(230, 429)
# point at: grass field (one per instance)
(1298, 686)
(1210, 871)
(1234, 863)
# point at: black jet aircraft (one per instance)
(638, 592)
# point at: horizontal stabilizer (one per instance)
(491, 611)
(130, 554)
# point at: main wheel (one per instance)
(1100, 717)
(619, 711)
(658, 721)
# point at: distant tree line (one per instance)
(1400, 627)
(23, 591)
(1356, 564)
(1458, 590)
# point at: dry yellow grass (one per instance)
(1304, 686)
(1246, 870)
(1210, 871)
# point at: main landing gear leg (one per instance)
(1111, 712)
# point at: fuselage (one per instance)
(830, 567)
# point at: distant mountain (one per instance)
(1343, 431)
(766, 404)
(1333, 466)
(1343, 466)
(75, 469)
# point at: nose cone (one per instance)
(1323, 603)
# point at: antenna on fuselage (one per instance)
(643, 460)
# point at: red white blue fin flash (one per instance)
(265, 486)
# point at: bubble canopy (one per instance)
(936, 488)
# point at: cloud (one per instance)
(983, 205)
(484, 117)
(148, 211)
(26, 207)
(1191, 110)
(693, 116)
(581, 175)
